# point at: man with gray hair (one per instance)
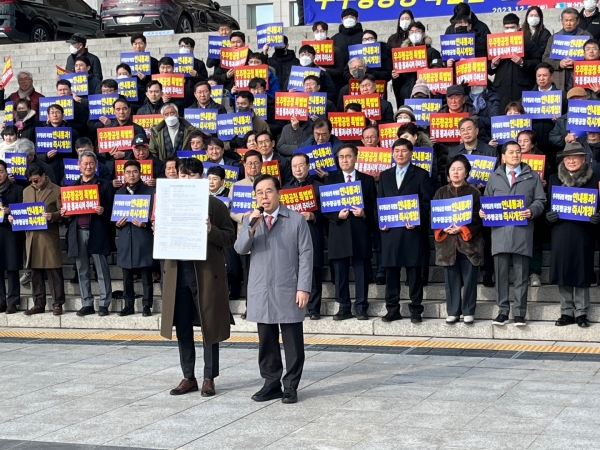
(170, 135)
(26, 90)
(28, 147)
(357, 69)
(563, 68)
(88, 235)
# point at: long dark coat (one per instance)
(211, 276)
(11, 243)
(99, 241)
(135, 244)
(352, 236)
(573, 242)
(401, 247)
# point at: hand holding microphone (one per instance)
(255, 219)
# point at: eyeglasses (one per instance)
(266, 193)
(321, 135)
(38, 180)
(264, 142)
(253, 164)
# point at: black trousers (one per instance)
(14, 288)
(415, 289)
(362, 268)
(56, 282)
(487, 270)
(245, 260)
(269, 354)
(316, 291)
(183, 319)
(147, 286)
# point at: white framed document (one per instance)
(180, 215)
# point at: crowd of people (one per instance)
(351, 236)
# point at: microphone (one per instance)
(253, 221)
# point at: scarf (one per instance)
(25, 94)
(577, 178)
(478, 102)
(4, 186)
(172, 144)
(131, 189)
(219, 192)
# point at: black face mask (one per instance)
(358, 73)
(461, 30)
(281, 51)
(21, 114)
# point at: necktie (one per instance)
(513, 177)
(349, 180)
(399, 178)
(269, 222)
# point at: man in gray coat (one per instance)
(514, 178)
(281, 251)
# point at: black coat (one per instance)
(401, 247)
(96, 66)
(135, 244)
(282, 63)
(190, 82)
(591, 24)
(11, 256)
(352, 237)
(150, 108)
(285, 168)
(211, 105)
(100, 226)
(81, 116)
(317, 226)
(347, 37)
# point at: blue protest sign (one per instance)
(53, 138)
(370, 53)
(335, 197)
(216, 93)
(198, 154)
(138, 61)
(79, 82)
(65, 102)
(396, 212)
(28, 216)
(503, 211)
(9, 113)
(242, 199)
(574, 203)
(72, 171)
(131, 206)
(184, 63)
(423, 158)
(457, 46)
(423, 107)
(320, 156)
(232, 173)
(259, 106)
(233, 124)
(270, 33)
(583, 116)
(481, 168)
(102, 105)
(214, 45)
(17, 164)
(225, 200)
(566, 46)
(507, 128)
(298, 74)
(203, 119)
(317, 104)
(128, 88)
(457, 211)
(542, 105)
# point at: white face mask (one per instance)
(72, 49)
(533, 21)
(589, 5)
(184, 50)
(305, 61)
(320, 36)
(404, 23)
(171, 121)
(349, 22)
(510, 30)
(402, 120)
(415, 38)
(120, 77)
(477, 90)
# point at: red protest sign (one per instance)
(7, 73)
(586, 73)
(373, 160)
(409, 59)
(505, 45)
(82, 199)
(325, 52)
(271, 168)
(388, 134)
(536, 162)
(300, 199)
(370, 104)
(146, 170)
(61, 70)
(233, 57)
(172, 84)
(115, 137)
(438, 80)
(291, 104)
(472, 71)
(443, 127)
(147, 121)
(242, 152)
(380, 87)
(243, 74)
(347, 126)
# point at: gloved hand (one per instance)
(595, 219)
(551, 216)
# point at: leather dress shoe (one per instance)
(267, 393)
(582, 321)
(362, 316)
(11, 309)
(34, 310)
(380, 281)
(86, 311)
(343, 315)
(565, 320)
(103, 311)
(185, 386)
(488, 281)
(390, 317)
(416, 318)
(208, 388)
(315, 315)
(146, 312)
(290, 396)
(127, 311)
(57, 310)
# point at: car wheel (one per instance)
(185, 25)
(39, 33)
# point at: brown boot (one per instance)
(185, 386)
(208, 388)
(34, 310)
(57, 310)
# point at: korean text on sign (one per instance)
(128, 88)
(260, 105)
(184, 63)
(373, 160)
(291, 104)
(132, 207)
(79, 82)
(574, 203)
(536, 162)
(72, 171)
(505, 45)
(507, 128)
(147, 121)
(199, 154)
(423, 157)
(583, 116)
(146, 170)
(233, 124)
(65, 102)
(370, 104)
(347, 126)
(28, 216)
(83, 199)
(271, 168)
(115, 137)
(203, 119)
(9, 114)
(586, 73)
(298, 74)
(320, 157)
(244, 74)
(444, 126)
(380, 87)
(457, 46)
(438, 80)
(446, 212)
(336, 197)
(370, 53)
(270, 33)
(172, 83)
(325, 52)
(481, 168)
(138, 61)
(231, 173)
(233, 57)
(567, 47)
(542, 105)
(214, 45)
(388, 134)
(396, 212)
(243, 199)
(409, 59)
(423, 107)
(317, 104)
(472, 71)
(503, 211)
(17, 165)
(102, 105)
(54, 138)
(300, 199)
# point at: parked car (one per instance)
(47, 20)
(126, 17)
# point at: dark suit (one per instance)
(402, 247)
(285, 168)
(350, 243)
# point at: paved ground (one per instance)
(107, 396)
